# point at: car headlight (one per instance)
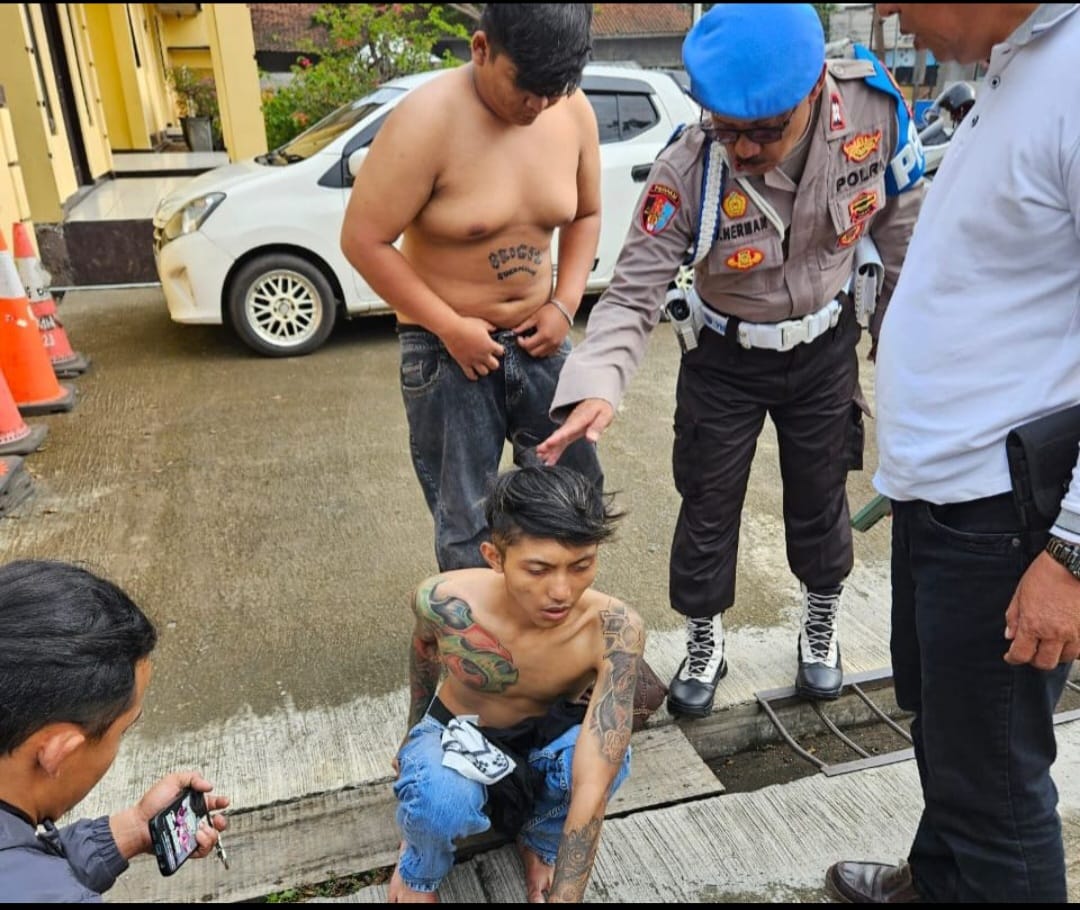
(191, 216)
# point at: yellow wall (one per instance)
(14, 206)
(44, 155)
(184, 32)
(157, 106)
(128, 59)
(107, 67)
(186, 42)
(85, 87)
(232, 47)
(118, 56)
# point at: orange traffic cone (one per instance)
(17, 437)
(15, 483)
(35, 281)
(25, 364)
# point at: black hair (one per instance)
(70, 642)
(549, 43)
(549, 502)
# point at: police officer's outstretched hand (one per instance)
(543, 332)
(589, 419)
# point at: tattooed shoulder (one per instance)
(423, 597)
(467, 650)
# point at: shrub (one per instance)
(366, 45)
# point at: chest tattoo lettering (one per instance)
(470, 652)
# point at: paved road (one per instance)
(265, 515)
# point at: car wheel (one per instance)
(281, 305)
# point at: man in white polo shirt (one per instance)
(983, 336)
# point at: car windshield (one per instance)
(316, 138)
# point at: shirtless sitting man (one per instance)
(538, 692)
(475, 170)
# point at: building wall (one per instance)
(106, 64)
(36, 115)
(14, 206)
(655, 51)
(91, 112)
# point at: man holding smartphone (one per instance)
(529, 732)
(75, 670)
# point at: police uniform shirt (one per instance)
(752, 271)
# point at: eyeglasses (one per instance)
(759, 135)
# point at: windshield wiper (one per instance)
(276, 156)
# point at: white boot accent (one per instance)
(704, 649)
(818, 640)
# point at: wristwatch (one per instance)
(1066, 553)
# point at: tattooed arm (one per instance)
(424, 665)
(601, 747)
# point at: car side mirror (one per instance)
(355, 160)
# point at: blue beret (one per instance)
(751, 61)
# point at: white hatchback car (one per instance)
(256, 243)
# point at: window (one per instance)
(606, 108)
(636, 115)
(621, 116)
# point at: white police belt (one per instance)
(776, 336)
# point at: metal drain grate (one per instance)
(858, 684)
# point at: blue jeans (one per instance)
(457, 429)
(436, 805)
(983, 729)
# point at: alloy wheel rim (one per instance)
(283, 308)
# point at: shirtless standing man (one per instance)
(521, 642)
(476, 169)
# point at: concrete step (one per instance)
(769, 846)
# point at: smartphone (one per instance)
(172, 830)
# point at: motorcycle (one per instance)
(942, 119)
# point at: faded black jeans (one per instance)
(458, 427)
(983, 729)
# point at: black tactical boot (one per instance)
(821, 674)
(691, 691)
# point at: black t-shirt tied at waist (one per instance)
(510, 800)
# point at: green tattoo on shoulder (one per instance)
(468, 651)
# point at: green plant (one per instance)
(195, 96)
(366, 44)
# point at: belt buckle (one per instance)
(792, 333)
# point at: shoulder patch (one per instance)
(850, 69)
(659, 208)
(908, 163)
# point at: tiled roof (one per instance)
(287, 26)
(284, 26)
(611, 20)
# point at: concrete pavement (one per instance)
(265, 515)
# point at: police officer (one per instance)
(794, 162)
